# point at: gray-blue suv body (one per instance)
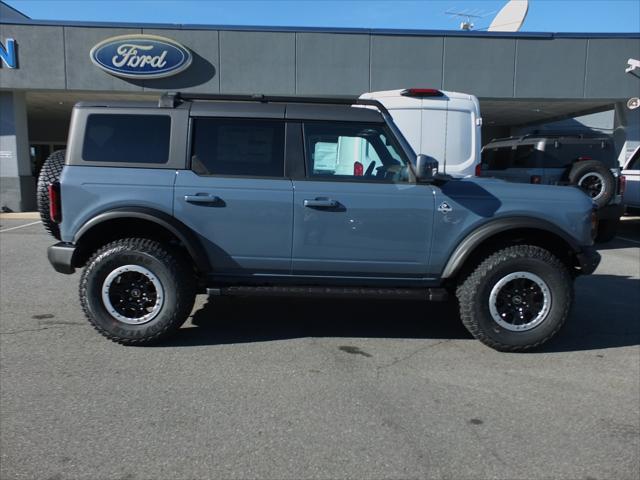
(287, 195)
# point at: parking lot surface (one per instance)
(297, 389)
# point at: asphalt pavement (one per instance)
(314, 389)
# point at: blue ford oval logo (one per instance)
(140, 56)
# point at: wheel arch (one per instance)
(509, 231)
(137, 221)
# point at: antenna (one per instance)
(511, 17)
(467, 15)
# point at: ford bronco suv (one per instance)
(297, 195)
(587, 161)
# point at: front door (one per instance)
(235, 196)
(357, 213)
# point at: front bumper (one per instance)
(61, 257)
(588, 260)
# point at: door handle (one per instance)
(320, 203)
(200, 198)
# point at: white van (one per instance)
(443, 125)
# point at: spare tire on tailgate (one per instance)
(49, 174)
(595, 179)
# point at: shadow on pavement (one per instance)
(627, 236)
(224, 320)
(606, 315)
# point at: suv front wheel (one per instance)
(136, 291)
(516, 299)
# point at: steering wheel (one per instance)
(370, 169)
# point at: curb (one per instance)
(20, 216)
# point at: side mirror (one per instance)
(426, 167)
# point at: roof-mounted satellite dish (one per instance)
(511, 17)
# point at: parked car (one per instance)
(631, 173)
(289, 195)
(586, 161)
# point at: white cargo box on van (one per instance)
(443, 125)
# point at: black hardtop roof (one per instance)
(258, 106)
(538, 136)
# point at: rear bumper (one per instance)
(588, 260)
(61, 257)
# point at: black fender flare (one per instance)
(186, 236)
(474, 239)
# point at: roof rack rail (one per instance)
(173, 99)
(581, 135)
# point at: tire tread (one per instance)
(467, 288)
(184, 277)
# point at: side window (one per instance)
(352, 151)
(498, 158)
(127, 138)
(223, 146)
(525, 157)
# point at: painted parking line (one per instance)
(20, 226)
(628, 240)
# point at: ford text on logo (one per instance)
(140, 56)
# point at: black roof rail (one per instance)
(581, 135)
(173, 99)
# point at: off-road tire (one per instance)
(474, 292)
(580, 169)
(607, 230)
(172, 270)
(49, 174)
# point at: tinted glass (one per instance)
(238, 147)
(524, 157)
(497, 158)
(127, 138)
(353, 151)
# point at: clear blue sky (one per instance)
(544, 15)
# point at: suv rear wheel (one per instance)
(516, 299)
(136, 291)
(595, 179)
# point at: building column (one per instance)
(17, 184)
(626, 133)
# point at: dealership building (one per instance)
(523, 80)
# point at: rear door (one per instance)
(235, 195)
(357, 213)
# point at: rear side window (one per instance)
(127, 138)
(253, 148)
(503, 158)
(497, 158)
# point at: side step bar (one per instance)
(430, 294)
